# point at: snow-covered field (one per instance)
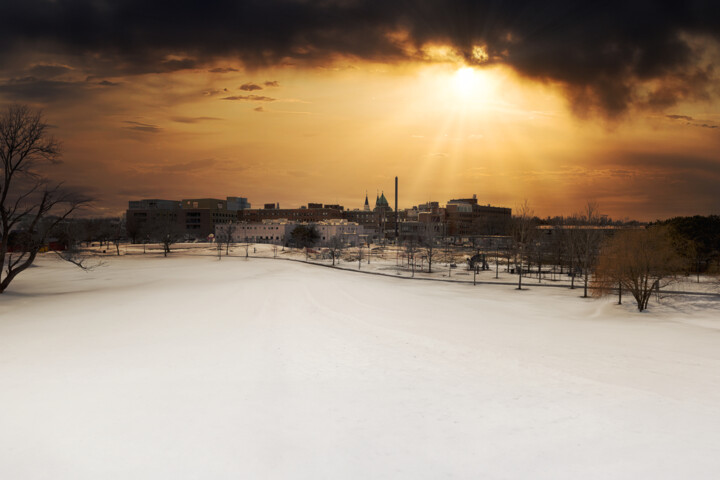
(190, 367)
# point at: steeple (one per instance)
(382, 201)
(367, 205)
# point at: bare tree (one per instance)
(523, 235)
(335, 245)
(134, 231)
(117, 232)
(225, 236)
(428, 241)
(638, 261)
(411, 249)
(558, 245)
(568, 241)
(166, 231)
(29, 204)
(587, 238)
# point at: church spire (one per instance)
(367, 204)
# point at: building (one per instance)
(278, 232)
(268, 231)
(191, 217)
(314, 212)
(465, 218)
(199, 216)
(422, 223)
(351, 233)
(145, 217)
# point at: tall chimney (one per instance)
(396, 208)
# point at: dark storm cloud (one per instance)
(607, 55)
(31, 89)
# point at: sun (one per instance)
(465, 81)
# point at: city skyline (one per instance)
(293, 102)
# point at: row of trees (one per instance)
(639, 260)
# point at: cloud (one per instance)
(107, 83)
(142, 127)
(271, 83)
(250, 98)
(174, 65)
(213, 92)
(608, 56)
(222, 70)
(679, 117)
(205, 165)
(49, 71)
(193, 119)
(690, 121)
(31, 89)
(249, 87)
(259, 109)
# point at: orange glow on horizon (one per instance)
(329, 134)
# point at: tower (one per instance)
(396, 208)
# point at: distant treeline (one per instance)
(697, 239)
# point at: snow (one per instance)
(191, 367)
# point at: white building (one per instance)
(278, 231)
(350, 232)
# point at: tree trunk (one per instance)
(497, 264)
(539, 272)
(519, 265)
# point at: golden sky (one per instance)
(642, 145)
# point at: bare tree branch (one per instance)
(30, 206)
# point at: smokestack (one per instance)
(396, 208)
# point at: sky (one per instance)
(296, 101)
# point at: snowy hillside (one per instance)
(190, 367)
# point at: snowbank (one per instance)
(190, 367)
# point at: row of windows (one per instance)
(260, 237)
